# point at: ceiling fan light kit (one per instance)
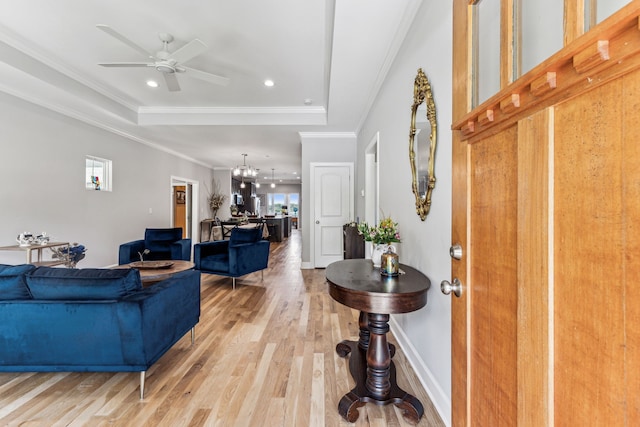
(165, 62)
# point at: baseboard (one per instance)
(306, 266)
(440, 400)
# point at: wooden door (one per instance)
(180, 208)
(546, 206)
(333, 207)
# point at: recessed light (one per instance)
(308, 101)
(269, 83)
(152, 83)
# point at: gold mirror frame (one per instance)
(422, 93)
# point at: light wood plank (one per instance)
(534, 140)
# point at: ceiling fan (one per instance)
(167, 63)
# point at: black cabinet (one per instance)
(353, 242)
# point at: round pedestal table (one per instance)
(357, 284)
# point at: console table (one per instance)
(37, 249)
(357, 284)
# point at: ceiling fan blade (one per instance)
(126, 64)
(190, 50)
(207, 77)
(113, 33)
(172, 82)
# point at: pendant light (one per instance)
(245, 171)
(257, 182)
(273, 184)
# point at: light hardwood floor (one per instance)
(264, 355)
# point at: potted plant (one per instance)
(381, 237)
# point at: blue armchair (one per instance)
(244, 253)
(162, 243)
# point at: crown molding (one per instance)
(232, 116)
(394, 48)
(81, 116)
(326, 135)
(48, 65)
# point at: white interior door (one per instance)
(333, 207)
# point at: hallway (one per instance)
(264, 356)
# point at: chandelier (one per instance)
(245, 170)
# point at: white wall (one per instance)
(319, 147)
(425, 335)
(42, 183)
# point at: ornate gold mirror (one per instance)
(422, 144)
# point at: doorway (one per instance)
(184, 206)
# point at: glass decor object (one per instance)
(389, 263)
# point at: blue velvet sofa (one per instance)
(100, 320)
(245, 252)
(162, 244)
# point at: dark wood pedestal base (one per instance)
(374, 372)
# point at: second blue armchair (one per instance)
(162, 243)
(244, 253)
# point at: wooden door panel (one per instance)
(534, 144)
(631, 235)
(589, 278)
(493, 280)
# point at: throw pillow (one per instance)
(12, 282)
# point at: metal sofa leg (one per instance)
(262, 271)
(142, 376)
(193, 335)
(234, 283)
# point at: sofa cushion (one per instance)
(244, 235)
(82, 284)
(12, 283)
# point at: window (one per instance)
(541, 25)
(275, 202)
(294, 204)
(97, 174)
(486, 50)
(596, 11)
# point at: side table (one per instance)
(357, 284)
(37, 249)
